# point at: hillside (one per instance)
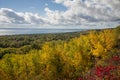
(90, 55)
(21, 44)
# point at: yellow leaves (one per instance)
(44, 58)
(110, 40)
(76, 61)
(101, 42)
(99, 50)
(59, 58)
(85, 43)
(93, 37)
(3, 75)
(46, 47)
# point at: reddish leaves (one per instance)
(108, 72)
(116, 58)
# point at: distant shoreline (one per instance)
(35, 31)
(25, 31)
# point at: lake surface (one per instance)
(16, 31)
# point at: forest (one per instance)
(87, 55)
(24, 43)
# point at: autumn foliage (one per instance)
(94, 56)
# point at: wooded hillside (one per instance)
(94, 55)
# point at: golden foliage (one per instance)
(58, 60)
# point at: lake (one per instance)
(16, 31)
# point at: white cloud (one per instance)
(11, 16)
(53, 17)
(85, 11)
(92, 10)
(79, 12)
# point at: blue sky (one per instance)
(60, 13)
(34, 6)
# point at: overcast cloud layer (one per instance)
(79, 12)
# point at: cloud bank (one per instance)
(79, 12)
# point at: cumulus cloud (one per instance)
(79, 12)
(11, 16)
(84, 11)
(91, 10)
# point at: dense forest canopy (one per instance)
(24, 43)
(89, 55)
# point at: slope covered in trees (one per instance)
(21, 44)
(94, 56)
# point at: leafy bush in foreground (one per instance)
(80, 58)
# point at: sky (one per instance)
(59, 13)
